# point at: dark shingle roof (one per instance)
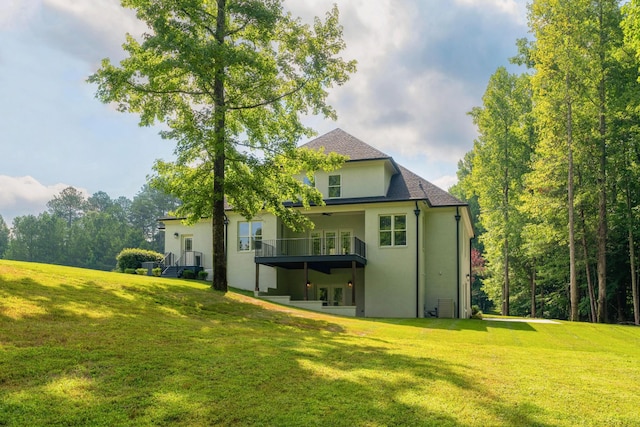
(339, 141)
(405, 185)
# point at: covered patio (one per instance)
(313, 254)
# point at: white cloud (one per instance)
(514, 8)
(445, 182)
(14, 13)
(24, 195)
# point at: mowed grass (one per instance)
(80, 347)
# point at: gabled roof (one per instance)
(339, 141)
(405, 185)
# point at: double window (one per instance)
(249, 235)
(393, 230)
(335, 186)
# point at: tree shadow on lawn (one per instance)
(461, 324)
(166, 355)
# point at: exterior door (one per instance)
(330, 242)
(316, 242)
(187, 251)
(324, 242)
(345, 242)
(187, 244)
(331, 294)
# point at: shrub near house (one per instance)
(133, 258)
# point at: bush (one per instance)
(202, 275)
(133, 258)
(476, 313)
(188, 274)
(157, 272)
(142, 271)
(130, 270)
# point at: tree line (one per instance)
(87, 232)
(553, 177)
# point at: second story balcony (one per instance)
(320, 253)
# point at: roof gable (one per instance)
(404, 185)
(339, 141)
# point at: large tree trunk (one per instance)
(219, 258)
(573, 285)
(602, 183)
(505, 290)
(632, 258)
(505, 201)
(592, 294)
(533, 291)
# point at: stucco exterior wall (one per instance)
(202, 239)
(241, 268)
(390, 288)
(386, 287)
(440, 256)
(358, 179)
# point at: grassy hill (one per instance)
(81, 347)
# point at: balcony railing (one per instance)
(311, 247)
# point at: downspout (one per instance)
(470, 274)
(458, 261)
(417, 212)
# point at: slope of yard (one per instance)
(80, 347)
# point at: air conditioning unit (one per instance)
(445, 308)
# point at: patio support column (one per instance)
(257, 277)
(306, 281)
(353, 283)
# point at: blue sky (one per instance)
(422, 65)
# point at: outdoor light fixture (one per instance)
(308, 284)
(350, 283)
(175, 234)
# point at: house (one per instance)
(386, 244)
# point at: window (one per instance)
(249, 235)
(334, 186)
(393, 230)
(188, 244)
(307, 181)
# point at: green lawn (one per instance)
(80, 347)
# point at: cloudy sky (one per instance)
(422, 65)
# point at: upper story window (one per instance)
(393, 230)
(249, 235)
(335, 187)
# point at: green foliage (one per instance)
(202, 275)
(133, 258)
(157, 272)
(142, 271)
(330, 370)
(494, 174)
(188, 274)
(101, 229)
(4, 237)
(555, 168)
(476, 313)
(231, 80)
(129, 271)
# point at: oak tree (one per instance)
(231, 80)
